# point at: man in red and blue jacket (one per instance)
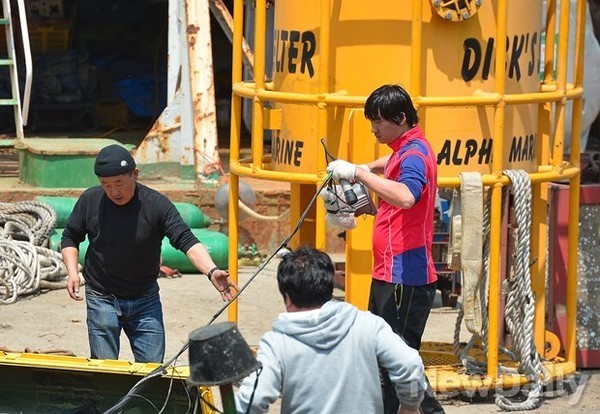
(404, 276)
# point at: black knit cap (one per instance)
(113, 160)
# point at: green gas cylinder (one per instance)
(216, 243)
(191, 214)
(54, 244)
(62, 205)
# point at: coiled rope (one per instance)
(520, 306)
(26, 264)
(27, 220)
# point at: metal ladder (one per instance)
(20, 112)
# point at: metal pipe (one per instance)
(299, 178)
(547, 173)
(561, 81)
(260, 20)
(496, 213)
(322, 112)
(249, 90)
(234, 151)
(539, 203)
(416, 30)
(28, 61)
(549, 47)
(539, 244)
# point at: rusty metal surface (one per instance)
(186, 131)
(205, 151)
(165, 142)
(9, 162)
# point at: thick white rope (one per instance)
(27, 220)
(259, 216)
(520, 306)
(520, 303)
(25, 265)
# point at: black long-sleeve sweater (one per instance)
(123, 257)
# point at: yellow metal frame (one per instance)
(554, 94)
(28, 361)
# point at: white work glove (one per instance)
(342, 170)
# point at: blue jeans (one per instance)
(140, 318)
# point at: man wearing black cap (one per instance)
(125, 223)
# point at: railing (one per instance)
(550, 148)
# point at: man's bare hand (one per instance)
(73, 285)
(223, 283)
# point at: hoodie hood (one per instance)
(321, 328)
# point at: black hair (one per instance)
(306, 276)
(392, 103)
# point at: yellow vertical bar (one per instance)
(234, 150)
(415, 50)
(232, 310)
(295, 213)
(539, 227)
(359, 245)
(558, 150)
(549, 60)
(539, 230)
(300, 196)
(496, 214)
(549, 46)
(561, 82)
(323, 127)
(580, 11)
(260, 19)
(540, 191)
(574, 187)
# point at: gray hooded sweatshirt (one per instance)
(326, 361)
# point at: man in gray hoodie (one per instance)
(322, 356)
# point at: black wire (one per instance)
(331, 185)
(258, 372)
(328, 156)
(161, 370)
(191, 391)
(281, 245)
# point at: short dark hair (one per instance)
(306, 276)
(392, 103)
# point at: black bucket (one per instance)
(219, 355)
